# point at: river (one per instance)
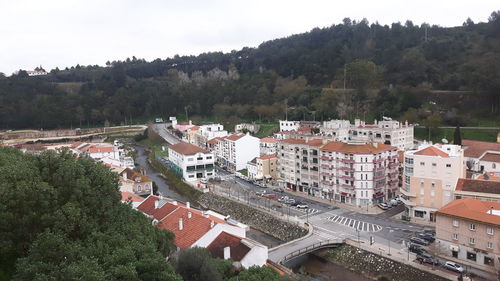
(141, 159)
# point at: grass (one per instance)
(470, 134)
(267, 129)
(244, 172)
(156, 147)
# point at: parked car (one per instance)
(417, 249)
(383, 206)
(204, 181)
(260, 193)
(290, 201)
(426, 258)
(283, 199)
(270, 195)
(296, 203)
(427, 236)
(278, 190)
(419, 241)
(454, 266)
(393, 202)
(302, 206)
(430, 231)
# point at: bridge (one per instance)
(312, 248)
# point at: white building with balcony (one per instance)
(286, 125)
(236, 150)
(268, 146)
(337, 129)
(190, 161)
(387, 131)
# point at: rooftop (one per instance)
(238, 249)
(269, 156)
(185, 148)
(477, 185)
(491, 157)
(313, 142)
(127, 196)
(235, 137)
(133, 175)
(491, 176)
(432, 151)
(272, 140)
(334, 146)
(474, 149)
(473, 209)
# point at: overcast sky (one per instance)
(68, 32)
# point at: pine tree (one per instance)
(457, 136)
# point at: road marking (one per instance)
(356, 224)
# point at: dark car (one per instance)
(430, 232)
(426, 258)
(417, 249)
(278, 190)
(419, 241)
(427, 236)
(294, 204)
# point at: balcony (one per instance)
(324, 166)
(344, 177)
(329, 183)
(347, 186)
(327, 174)
(392, 174)
(348, 161)
(406, 193)
(380, 185)
(379, 169)
(393, 164)
(379, 160)
(348, 169)
(393, 182)
(379, 177)
(326, 158)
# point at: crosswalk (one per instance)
(356, 224)
(310, 211)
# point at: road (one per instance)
(161, 129)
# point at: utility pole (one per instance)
(286, 109)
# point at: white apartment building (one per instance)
(234, 151)
(206, 133)
(387, 131)
(337, 129)
(286, 125)
(358, 174)
(268, 146)
(190, 161)
(430, 175)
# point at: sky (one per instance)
(64, 33)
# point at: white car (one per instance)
(302, 206)
(454, 266)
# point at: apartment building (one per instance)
(430, 175)
(235, 151)
(268, 146)
(468, 231)
(263, 168)
(298, 163)
(337, 129)
(190, 161)
(482, 156)
(358, 174)
(286, 125)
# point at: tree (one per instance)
(457, 136)
(196, 264)
(256, 273)
(362, 73)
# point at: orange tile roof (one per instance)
(127, 196)
(215, 140)
(269, 156)
(478, 185)
(95, 149)
(314, 142)
(491, 157)
(132, 175)
(238, 250)
(474, 149)
(185, 148)
(472, 209)
(76, 144)
(234, 137)
(193, 228)
(432, 151)
(272, 140)
(491, 176)
(334, 146)
(194, 128)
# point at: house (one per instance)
(268, 146)
(190, 161)
(358, 174)
(136, 183)
(209, 132)
(286, 125)
(190, 135)
(337, 129)
(224, 238)
(481, 156)
(484, 190)
(468, 231)
(263, 168)
(489, 176)
(252, 128)
(431, 173)
(131, 198)
(236, 150)
(182, 126)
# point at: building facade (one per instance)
(337, 129)
(263, 168)
(430, 175)
(191, 162)
(268, 146)
(286, 125)
(468, 231)
(135, 182)
(484, 190)
(481, 156)
(235, 151)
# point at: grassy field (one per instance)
(267, 129)
(156, 147)
(481, 135)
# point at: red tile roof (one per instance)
(334, 146)
(269, 156)
(474, 149)
(148, 207)
(476, 185)
(432, 151)
(238, 250)
(272, 140)
(215, 140)
(185, 148)
(234, 137)
(472, 209)
(133, 175)
(491, 176)
(194, 128)
(127, 196)
(314, 142)
(193, 228)
(96, 149)
(76, 144)
(491, 157)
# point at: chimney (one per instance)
(189, 215)
(491, 210)
(205, 214)
(181, 226)
(227, 253)
(212, 224)
(188, 205)
(157, 203)
(174, 203)
(124, 175)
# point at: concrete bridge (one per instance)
(312, 248)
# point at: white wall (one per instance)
(289, 125)
(257, 255)
(246, 149)
(210, 236)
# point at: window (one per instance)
(422, 163)
(488, 261)
(472, 240)
(421, 191)
(489, 230)
(455, 223)
(455, 236)
(209, 157)
(433, 184)
(471, 256)
(432, 193)
(419, 214)
(472, 226)
(489, 245)
(191, 176)
(422, 183)
(448, 165)
(434, 164)
(139, 188)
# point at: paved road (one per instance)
(161, 129)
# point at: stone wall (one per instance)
(262, 221)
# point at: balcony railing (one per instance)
(326, 158)
(349, 169)
(378, 160)
(393, 164)
(344, 177)
(327, 182)
(324, 166)
(379, 169)
(379, 177)
(349, 161)
(348, 186)
(327, 174)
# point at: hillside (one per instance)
(388, 70)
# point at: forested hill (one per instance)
(391, 70)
